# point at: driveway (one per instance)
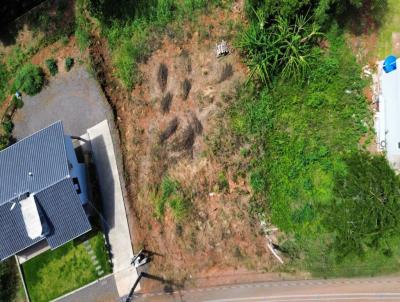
(73, 97)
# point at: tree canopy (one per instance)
(366, 206)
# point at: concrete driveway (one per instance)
(73, 97)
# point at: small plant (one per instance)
(223, 184)
(17, 102)
(52, 66)
(186, 86)
(162, 76)
(69, 62)
(227, 72)
(3, 142)
(8, 126)
(179, 206)
(166, 103)
(29, 79)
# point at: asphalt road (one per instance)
(334, 290)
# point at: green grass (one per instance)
(55, 273)
(389, 25)
(170, 193)
(301, 135)
(134, 31)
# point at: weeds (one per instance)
(162, 76)
(170, 193)
(186, 86)
(166, 103)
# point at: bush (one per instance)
(52, 66)
(17, 102)
(69, 62)
(8, 126)
(29, 79)
(8, 279)
(268, 54)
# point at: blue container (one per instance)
(389, 64)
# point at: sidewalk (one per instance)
(116, 226)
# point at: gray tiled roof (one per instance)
(13, 235)
(64, 210)
(43, 154)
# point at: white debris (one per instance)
(222, 49)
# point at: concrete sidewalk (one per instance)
(116, 223)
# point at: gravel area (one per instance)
(74, 97)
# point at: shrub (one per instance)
(69, 62)
(52, 66)
(267, 48)
(29, 79)
(186, 86)
(3, 142)
(17, 102)
(8, 126)
(162, 76)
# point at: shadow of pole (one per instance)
(168, 288)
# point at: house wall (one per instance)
(77, 170)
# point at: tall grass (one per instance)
(133, 33)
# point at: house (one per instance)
(43, 192)
(388, 110)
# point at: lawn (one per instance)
(55, 273)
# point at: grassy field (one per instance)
(55, 273)
(389, 25)
(302, 134)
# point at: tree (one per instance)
(29, 79)
(366, 209)
(8, 280)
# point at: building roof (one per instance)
(388, 126)
(38, 166)
(34, 163)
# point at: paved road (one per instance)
(335, 290)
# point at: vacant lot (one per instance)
(54, 273)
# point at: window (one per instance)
(77, 187)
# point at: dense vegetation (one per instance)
(336, 204)
(29, 79)
(8, 280)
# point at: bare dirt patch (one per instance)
(187, 138)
